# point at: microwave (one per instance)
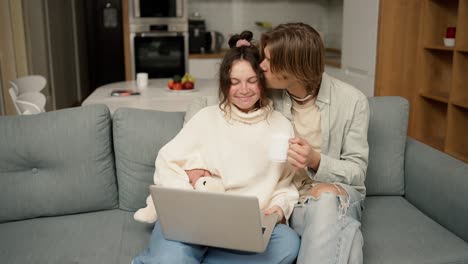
(151, 11)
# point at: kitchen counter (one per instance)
(217, 55)
(332, 56)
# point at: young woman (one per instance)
(330, 150)
(231, 141)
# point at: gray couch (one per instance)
(71, 179)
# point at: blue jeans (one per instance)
(282, 248)
(329, 227)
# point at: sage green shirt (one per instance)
(344, 115)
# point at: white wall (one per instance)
(359, 45)
(334, 32)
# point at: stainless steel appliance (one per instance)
(161, 50)
(213, 41)
(160, 11)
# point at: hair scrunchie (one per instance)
(242, 42)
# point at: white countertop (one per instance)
(157, 96)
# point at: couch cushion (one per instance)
(396, 232)
(138, 136)
(102, 237)
(387, 138)
(56, 163)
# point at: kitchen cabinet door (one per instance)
(363, 82)
(204, 68)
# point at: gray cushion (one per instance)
(396, 232)
(56, 163)
(387, 138)
(138, 136)
(106, 237)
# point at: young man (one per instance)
(330, 150)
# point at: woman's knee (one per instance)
(317, 190)
(286, 244)
(161, 250)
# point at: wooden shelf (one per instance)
(457, 140)
(461, 103)
(437, 16)
(439, 47)
(459, 92)
(436, 73)
(461, 37)
(431, 125)
(414, 63)
(436, 96)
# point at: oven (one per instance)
(159, 50)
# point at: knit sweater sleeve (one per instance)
(181, 153)
(285, 194)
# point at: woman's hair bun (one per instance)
(247, 35)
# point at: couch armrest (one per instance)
(437, 184)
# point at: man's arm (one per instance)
(352, 166)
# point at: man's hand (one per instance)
(278, 210)
(301, 155)
(196, 174)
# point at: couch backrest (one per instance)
(56, 163)
(387, 138)
(138, 136)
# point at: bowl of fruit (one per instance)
(185, 83)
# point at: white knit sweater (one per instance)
(235, 148)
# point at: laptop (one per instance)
(213, 219)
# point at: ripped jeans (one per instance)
(329, 227)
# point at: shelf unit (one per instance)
(441, 101)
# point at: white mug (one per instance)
(278, 150)
(142, 80)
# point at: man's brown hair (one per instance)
(296, 49)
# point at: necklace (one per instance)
(301, 99)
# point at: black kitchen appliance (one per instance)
(175, 9)
(197, 36)
(104, 38)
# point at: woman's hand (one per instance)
(196, 174)
(301, 155)
(278, 210)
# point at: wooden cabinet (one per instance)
(442, 78)
(432, 76)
